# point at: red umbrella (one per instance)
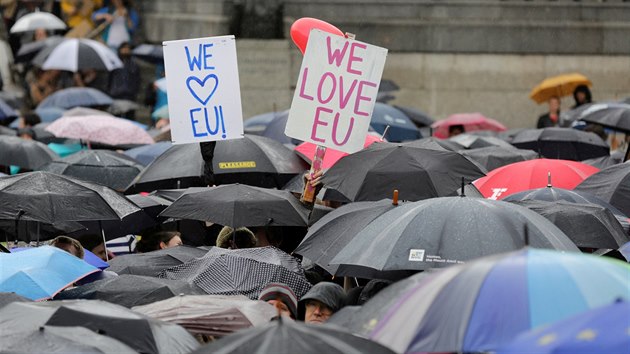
(307, 151)
(531, 174)
(470, 121)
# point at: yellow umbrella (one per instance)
(561, 85)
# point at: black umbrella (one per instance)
(613, 115)
(275, 128)
(611, 184)
(76, 96)
(588, 226)
(562, 143)
(473, 141)
(440, 232)
(241, 271)
(416, 171)
(333, 231)
(419, 118)
(77, 54)
(137, 331)
(492, 157)
(286, 336)
(28, 51)
(238, 205)
(7, 298)
(55, 339)
(604, 161)
(28, 231)
(445, 144)
(7, 131)
(131, 290)
(29, 154)
(152, 263)
(109, 168)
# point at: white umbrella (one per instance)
(78, 54)
(35, 20)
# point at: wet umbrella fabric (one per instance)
(148, 153)
(401, 128)
(151, 53)
(6, 111)
(76, 54)
(286, 336)
(75, 97)
(604, 161)
(29, 50)
(611, 184)
(417, 171)
(333, 231)
(440, 232)
(54, 339)
(531, 174)
(100, 129)
(471, 141)
(612, 115)
(493, 157)
(152, 263)
(28, 231)
(470, 121)
(562, 143)
(239, 205)
(109, 168)
(241, 271)
(601, 330)
(40, 273)
(420, 119)
(139, 332)
(37, 20)
(211, 315)
(50, 198)
(257, 124)
(586, 225)
(275, 128)
(29, 154)
(484, 304)
(9, 297)
(130, 290)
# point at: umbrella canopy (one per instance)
(614, 115)
(100, 129)
(472, 141)
(611, 184)
(562, 143)
(139, 332)
(484, 304)
(40, 273)
(7, 298)
(28, 51)
(445, 144)
(334, 230)
(470, 121)
(604, 161)
(151, 53)
(493, 157)
(586, 225)
(401, 128)
(109, 168)
(241, 271)
(50, 198)
(211, 315)
(74, 97)
(130, 290)
(28, 231)
(559, 86)
(148, 153)
(520, 176)
(76, 54)
(601, 330)
(29, 154)
(54, 339)
(419, 118)
(89, 257)
(285, 336)
(152, 263)
(417, 170)
(440, 232)
(276, 127)
(7, 112)
(238, 205)
(307, 151)
(37, 20)
(257, 124)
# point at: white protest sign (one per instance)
(204, 98)
(335, 92)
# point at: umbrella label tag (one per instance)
(416, 255)
(496, 193)
(204, 99)
(237, 164)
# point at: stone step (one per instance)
(212, 7)
(160, 27)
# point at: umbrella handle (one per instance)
(308, 195)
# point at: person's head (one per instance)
(322, 301)
(239, 238)
(94, 243)
(582, 95)
(26, 133)
(456, 129)
(554, 104)
(597, 129)
(124, 50)
(69, 245)
(29, 119)
(281, 297)
(40, 34)
(169, 239)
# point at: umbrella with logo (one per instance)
(241, 271)
(152, 263)
(76, 97)
(29, 154)
(521, 176)
(611, 184)
(562, 143)
(100, 129)
(37, 20)
(76, 54)
(470, 121)
(440, 232)
(558, 86)
(493, 157)
(482, 305)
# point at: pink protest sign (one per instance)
(335, 92)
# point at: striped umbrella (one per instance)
(77, 54)
(482, 305)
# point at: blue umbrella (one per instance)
(401, 128)
(49, 114)
(6, 112)
(602, 330)
(88, 257)
(258, 124)
(275, 128)
(147, 153)
(40, 273)
(75, 97)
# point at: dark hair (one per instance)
(31, 119)
(587, 93)
(151, 241)
(455, 127)
(90, 241)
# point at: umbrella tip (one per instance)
(463, 183)
(548, 179)
(395, 198)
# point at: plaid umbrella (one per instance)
(100, 129)
(242, 271)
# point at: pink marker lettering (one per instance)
(360, 98)
(343, 100)
(334, 131)
(321, 85)
(303, 86)
(337, 55)
(354, 58)
(318, 122)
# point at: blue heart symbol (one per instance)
(201, 85)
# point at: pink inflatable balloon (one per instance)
(301, 28)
